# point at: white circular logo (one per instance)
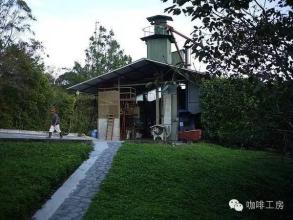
(236, 205)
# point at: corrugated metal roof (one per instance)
(135, 72)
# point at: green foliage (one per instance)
(152, 181)
(247, 37)
(65, 107)
(26, 96)
(31, 171)
(247, 113)
(76, 75)
(85, 114)
(24, 90)
(77, 113)
(103, 55)
(15, 16)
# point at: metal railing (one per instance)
(155, 29)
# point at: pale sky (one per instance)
(64, 26)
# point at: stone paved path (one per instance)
(75, 205)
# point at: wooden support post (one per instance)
(97, 103)
(119, 97)
(119, 109)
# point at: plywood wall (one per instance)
(108, 103)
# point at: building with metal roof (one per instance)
(175, 106)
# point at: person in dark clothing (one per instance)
(55, 123)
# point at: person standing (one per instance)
(55, 123)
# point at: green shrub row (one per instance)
(27, 94)
(32, 111)
(247, 112)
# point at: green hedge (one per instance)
(27, 94)
(78, 114)
(247, 112)
(85, 114)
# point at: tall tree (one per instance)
(103, 55)
(25, 92)
(246, 37)
(73, 76)
(15, 16)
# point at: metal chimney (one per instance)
(158, 39)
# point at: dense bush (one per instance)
(25, 92)
(64, 104)
(26, 96)
(77, 114)
(247, 112)
(85, 114)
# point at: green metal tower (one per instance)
(158, 39)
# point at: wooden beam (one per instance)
(143, 84)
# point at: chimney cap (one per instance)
(162, 18)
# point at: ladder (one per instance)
(110, 127)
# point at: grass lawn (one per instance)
(31, 171)
(197, 181)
